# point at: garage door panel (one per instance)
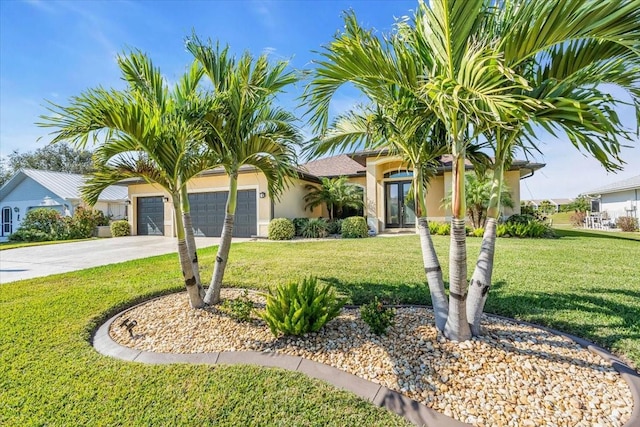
(150, 216)
(208, 212)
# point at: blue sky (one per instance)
(52, 50)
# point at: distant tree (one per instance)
(580, 204)
(56, 157)
(546, 207)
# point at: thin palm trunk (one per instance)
(185, 261)
(430, 261)
(213, 293)
(190, 238)
(457, 327)
(481, 279)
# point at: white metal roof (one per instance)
(62, 184)
(626, 184)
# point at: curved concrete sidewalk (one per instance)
(413, 411)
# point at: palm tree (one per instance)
(460, 85)
(246, 129)
(478, 193)
(149, 133)
(566, 57)
(336, 193)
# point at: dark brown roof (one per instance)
(339, 165)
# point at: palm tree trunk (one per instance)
(190, 238)
(190, 283)
(457, 327)
(481, 279)
(430, 260)
(213, 293)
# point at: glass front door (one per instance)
(400, 207)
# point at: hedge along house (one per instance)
(29, 189)
(384, 179)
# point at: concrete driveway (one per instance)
(39, 261)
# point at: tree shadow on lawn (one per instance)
(358, 293)
(563, 232)
(551, 309)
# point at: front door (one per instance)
(400, 207)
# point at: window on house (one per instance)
(399, 174)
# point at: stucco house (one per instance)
(30, 188)
(620, 198)
(385, 180)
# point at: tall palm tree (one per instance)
(460, 84)
(566, 49)
(246, 129)
(144, 132)
(337, 193)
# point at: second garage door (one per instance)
(208, 209)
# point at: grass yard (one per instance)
(49, 374)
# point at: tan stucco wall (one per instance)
(512, 180)
(291, 203)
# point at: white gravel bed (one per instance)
(514, 375)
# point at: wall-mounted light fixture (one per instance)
(263, 194)
(16, 209)
(166, 199)
(127, 202)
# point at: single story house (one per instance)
(557, 204)
(621, 198)
(385, 180)
(29, 189)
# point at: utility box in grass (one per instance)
(102, 231)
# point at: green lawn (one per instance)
(49, 374)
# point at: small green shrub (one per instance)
(334, 226)
(28, 235)
(444, 229)
(281, 229)
(469, 230)
(478, 232)
(299, 224)
(239, 308)
(298, 308)
(377, 316)
(120, 228)
(501, 230)
(627, 223)
(520, 219)
(354, 227)
(315, 228)
(577, 219)
(531, 229)
(433, 227)
(84, 222)
(42, 224)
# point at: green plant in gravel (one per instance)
(377, 316)
(120, 228)
(239, 308)
(281, 229)
(478, 232)
(315, 228)
(298, 308)
(354, 227)
(299, 224)
(627, 223)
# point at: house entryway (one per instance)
(399, 205)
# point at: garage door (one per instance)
(207, 213)
(150, 216)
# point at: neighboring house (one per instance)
(557, 204)
(29, 189)
(385, 180)
(621, 198)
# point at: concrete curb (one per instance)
(413, 411)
